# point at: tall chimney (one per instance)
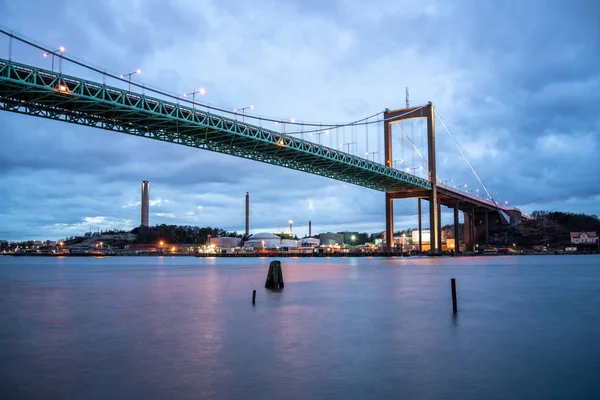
(309, 228)
(145, 203)
(247, 214)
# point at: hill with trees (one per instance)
(179, 234)
(549, 228)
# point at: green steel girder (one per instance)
(37, 92)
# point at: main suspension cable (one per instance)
(465, 157)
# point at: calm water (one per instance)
(184, 328)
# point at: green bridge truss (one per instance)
(33, 91)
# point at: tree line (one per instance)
(179, 234)
(571, 221)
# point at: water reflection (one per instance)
(172, 327)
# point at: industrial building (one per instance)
(269, 241)
(225, 242)
(330, 238)
(425, 236)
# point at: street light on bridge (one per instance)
(243, 109)
(319, 134)
(291, 120)
(200, 91)
(61, 49)
(136, 72)
(371, 153)
(347, 144)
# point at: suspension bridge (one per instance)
(155, 114)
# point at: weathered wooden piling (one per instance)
(253, 297)
(274, 276)
(454, 302)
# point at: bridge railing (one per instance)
(479, 199)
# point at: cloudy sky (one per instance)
(517, 83)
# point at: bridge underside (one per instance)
(449, 198)
(42, 93)
(480, 217)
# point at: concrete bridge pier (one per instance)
(389, 222)
(486, 221)
(439, 230)
(456, 230)
(467, 231)
(486, 230)
(420, 226)
(473, 230)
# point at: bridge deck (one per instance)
(33, 91)
(38, 92)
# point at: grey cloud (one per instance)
(504, 77)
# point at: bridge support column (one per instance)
(473, 231)
(389, 222)
(467, 230)
(420, 226)
(486, 226)
(456, 230)
(434, 216)
(439, 211)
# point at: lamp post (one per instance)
(137, 71)
(319, 134)
(200, 91)
(53, 53)
(291, 120)
(282, 123)
(347, 144)
(372, 153)
(243, 109)
(395, 161)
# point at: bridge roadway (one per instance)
(451, 197)
(37, 92)
(33, 91)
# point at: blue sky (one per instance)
(517, 82)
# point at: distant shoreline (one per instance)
(295, 255)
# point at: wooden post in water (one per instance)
(274, 276)
(253, 297)
(454, 303)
